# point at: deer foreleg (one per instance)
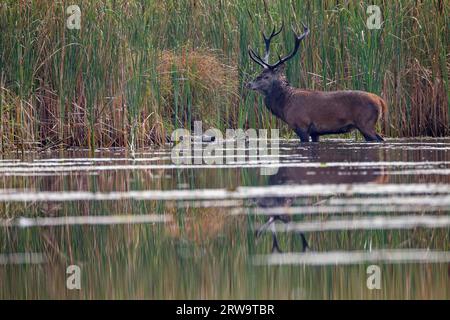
(302, 134)
(315, 138)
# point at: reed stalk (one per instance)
(136, 70)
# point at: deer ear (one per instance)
(279, 69)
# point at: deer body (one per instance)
(315, 113)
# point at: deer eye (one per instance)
(266, 77)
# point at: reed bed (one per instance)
(136, 70)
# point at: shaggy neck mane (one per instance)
(276, 97)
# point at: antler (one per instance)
(254, 56)
(267, 41)
(298, 39)
(265, 62)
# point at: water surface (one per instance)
(140, 226)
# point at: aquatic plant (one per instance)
(138, 69)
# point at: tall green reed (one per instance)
(105, 85)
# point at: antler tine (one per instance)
(267, 41)
(303, 35)
(305, 27)
(264, 62)
(298, 39)
(256, 58)
(265, 65)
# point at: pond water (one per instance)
(139, 226)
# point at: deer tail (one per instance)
(383, 107)
(384, 113)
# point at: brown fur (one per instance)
(323, 175)
(316, 113)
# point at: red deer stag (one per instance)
(314, 113)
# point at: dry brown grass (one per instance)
(137, 70)
(203, 73)
(202, 226)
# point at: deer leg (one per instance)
(305, 245)
(275, 245)
(367, 126)
(302, 134)
(315, 138)
(369, 138)
(270, 224)
(370, 135)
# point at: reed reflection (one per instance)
(322, 175)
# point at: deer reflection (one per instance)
(321, 154)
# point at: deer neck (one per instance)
(275, 99)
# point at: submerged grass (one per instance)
(202, 253)
(207, 252)
(136, 70)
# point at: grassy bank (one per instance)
(138, 69)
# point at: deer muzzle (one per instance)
(250, 85)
